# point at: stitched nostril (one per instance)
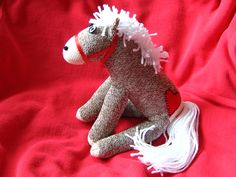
(65, 48)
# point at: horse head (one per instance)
(94, 43)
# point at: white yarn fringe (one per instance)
(176, 154)
(131, 29)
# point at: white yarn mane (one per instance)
(131, 29)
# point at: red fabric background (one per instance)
(40, 92)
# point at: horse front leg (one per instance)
(112, 108)
(120, 142)
(89, 111)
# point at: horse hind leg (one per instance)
(120, 142)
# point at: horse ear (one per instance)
(113, 29)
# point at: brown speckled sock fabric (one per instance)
(132, 89)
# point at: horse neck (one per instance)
(125, 64)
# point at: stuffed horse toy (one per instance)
(136, 87)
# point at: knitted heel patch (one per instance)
(173, 101)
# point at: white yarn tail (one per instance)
(179, 150)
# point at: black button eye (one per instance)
(65, 48)
(92, 29)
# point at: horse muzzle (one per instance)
(71, 53)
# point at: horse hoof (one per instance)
(90, 141)
(79, 117)
(95, 150)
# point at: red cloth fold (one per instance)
(40, 92)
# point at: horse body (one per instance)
(136, 89)
(132, 89)
(144, 88)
